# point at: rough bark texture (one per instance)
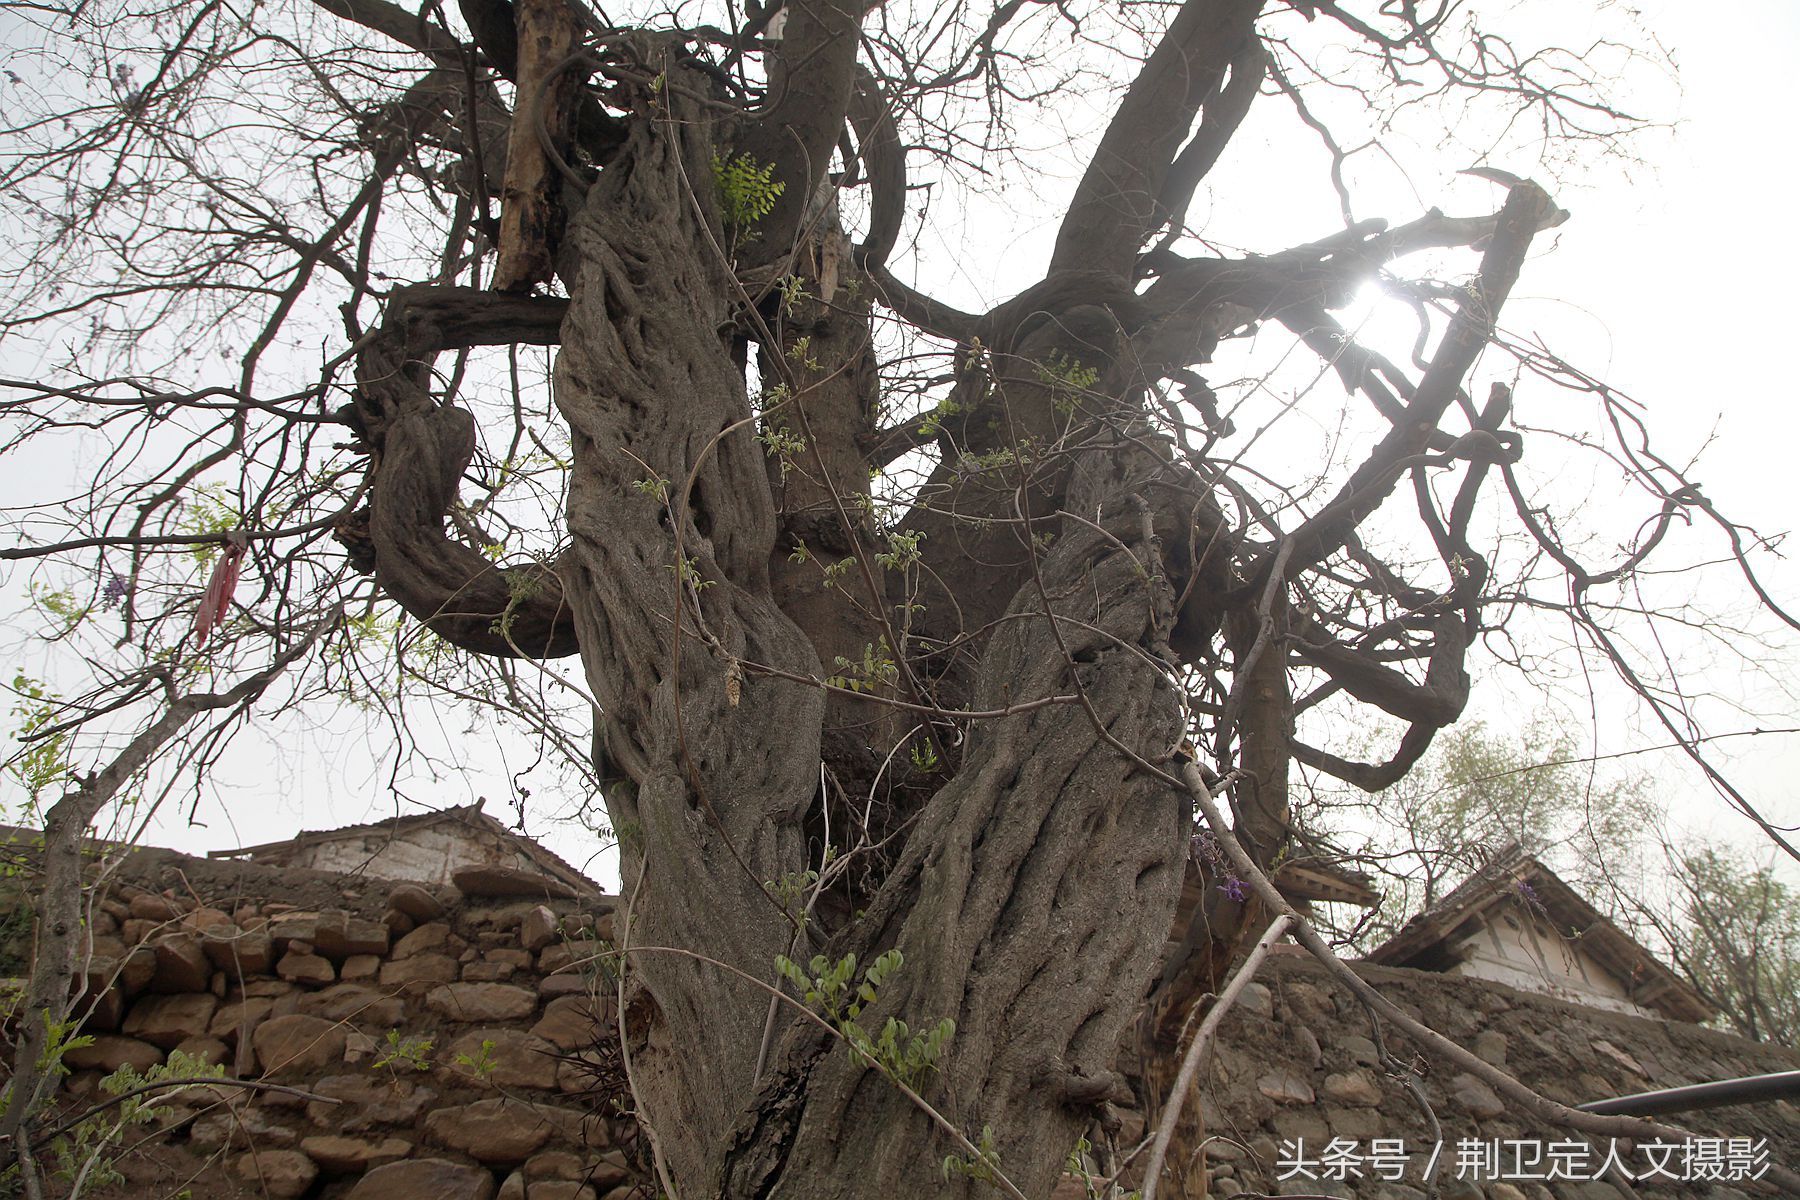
(1021, 902)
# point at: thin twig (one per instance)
(1197, 1051)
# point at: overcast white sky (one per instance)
(1673, 284)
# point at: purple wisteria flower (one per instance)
(113, 594)
(1235, 889)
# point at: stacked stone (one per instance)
(1295, 1064)
(447, 1046)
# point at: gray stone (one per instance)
(1299, 1124)
(1358, 1124)
(1490, 1047)
(559, 956)
(1256, 1000)
(268, 988)
(1360, 1049)
(1353, 1087)
(425, 1179)
(294, 927)
(1308, 1045)
(1285, 1087)
(1477, 1097)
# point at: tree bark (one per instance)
(1019, 900)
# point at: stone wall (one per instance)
(456, 1033)
(462, 1036)
(1297, 1062)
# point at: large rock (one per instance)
(209, 1050)
(108, 1054)
(502, 1058)
(569, 1023)
(237, 952)
(1285, 1087)
(538, 929)
(340, 935)
(168, 1021)
(509, 881)
(353, 1003)
(424, 1179)
(283, 1174)
(415, 902)
(296, 1044)
(1477, 1097)
(313, 970)
(424, 938)
(359, 967)
(147, 906)
(138, 969)
(369, 1100)
(101, 1004)
(560, 1189)
(481, 1002)
(353, 1156)
(1353, 1087)
(181, 965)
(202, 919)
(239, 1129)
(415, 975)
(231, 1019)
(500, 1132)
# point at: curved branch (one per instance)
(420, 453)
(884, 163)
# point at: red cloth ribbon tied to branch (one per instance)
(216, 603)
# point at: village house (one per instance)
(1515, 922)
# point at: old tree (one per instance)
(620, 337)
